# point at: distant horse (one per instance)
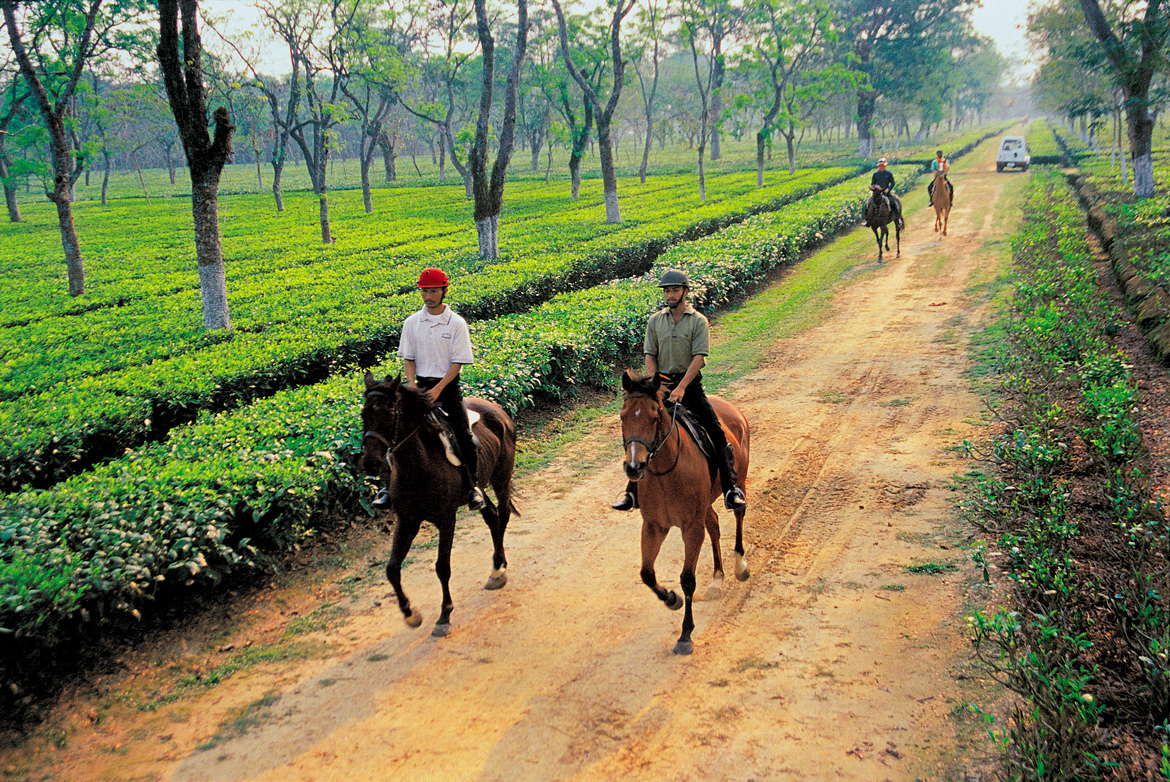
(402, 433)
(940, 199)
(878, 216)
(676, 487)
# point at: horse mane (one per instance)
(415, 401)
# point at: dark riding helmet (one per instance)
(939, 153)
(674, 277)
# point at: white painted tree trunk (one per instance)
(489, 243)
(1143, 175)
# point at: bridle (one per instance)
(654, 447)
(391, 447)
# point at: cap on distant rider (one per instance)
(674, 277)
(883, 162)
(432, 278)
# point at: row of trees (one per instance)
(87, 81)
(1102, 60)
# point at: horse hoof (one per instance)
(413, 619)
(684, 647)
(441, 631)
(714, 592)
(741, 569)
(674, 602)
(497, 580)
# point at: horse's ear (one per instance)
(369, 378)
(655, 381)
(627, 380)
(394, 382)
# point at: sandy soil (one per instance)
(835, 660)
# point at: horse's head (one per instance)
(379, 421)
(875, 189)
(642, 415)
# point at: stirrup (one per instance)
(626, 502)
(734, 499)
(475, 499)
(382, 500)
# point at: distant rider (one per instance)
(885, 180)
(677, 340)
(434, 346)
(939, 163)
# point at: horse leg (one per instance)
(405, 530)
(715, 590)
(692, 543)
(497, 521)
(443, 571)
(877, 237)
(886, 235)
(741, 565)
(652, 537)
(898, 238)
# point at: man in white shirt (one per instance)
(434, 347)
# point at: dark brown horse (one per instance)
(401, 434)
(676, 487)
(878, 216)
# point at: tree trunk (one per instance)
(489, 242)
(106, 177)
(209, 251)
(62, 196)
(866, 104)
(277, 191)
(761, 145)
(575, 176)
(613, 211)
(702, 174)
(9, 194)
(367, 198)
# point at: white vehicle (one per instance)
(1013, 153)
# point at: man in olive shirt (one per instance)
(676, 346)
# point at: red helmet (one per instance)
(432, 278)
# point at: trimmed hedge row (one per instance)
(355, 315)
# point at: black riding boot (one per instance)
(470, 458)
(733, 496)
(628, 499)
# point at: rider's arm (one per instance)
(651, 365)
(452, 373)
(408, 370)
(693, 368)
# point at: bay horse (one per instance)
(878, 216)
(676, 488)
(401, 433)
(940, 199)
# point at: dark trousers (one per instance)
(695, 400)
(451, 401)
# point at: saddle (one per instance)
(686, 419)
(438, 417)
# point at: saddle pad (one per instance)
(448, 437)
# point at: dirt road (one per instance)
(843, 657)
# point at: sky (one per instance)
(1004, 21)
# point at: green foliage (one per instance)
(1054, 349)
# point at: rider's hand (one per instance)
(433, 395)
(676, 395)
